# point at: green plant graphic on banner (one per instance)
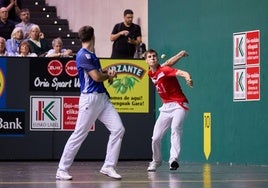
(124, 84)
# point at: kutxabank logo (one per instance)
(12, 122)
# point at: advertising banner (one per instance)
(246, 66)
(130, 90)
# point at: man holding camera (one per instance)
(126, 36)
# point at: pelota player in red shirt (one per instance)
(174, 108)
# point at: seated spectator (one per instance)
(37, 41)
(14, 42)
(25, 50)
(13, 8)
(3, 51)
(6, 25)
(25, 23)
(57, 50)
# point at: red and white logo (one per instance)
(71, 68)
(55, 67)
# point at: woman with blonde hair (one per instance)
(37, 41)
(14, 42)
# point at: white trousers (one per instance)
(94, 106)
(172, 116)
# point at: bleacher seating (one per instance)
(51, 25)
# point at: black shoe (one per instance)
(174, 165)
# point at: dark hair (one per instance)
(86, 33)
(149, 51)
(24, 10)
(25, 43)
(128, 11)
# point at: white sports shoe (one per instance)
(153, 166)
(63, 175)
(110, 171)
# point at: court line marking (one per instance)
(130, 181)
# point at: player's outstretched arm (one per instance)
(185, 75)
(173, 60)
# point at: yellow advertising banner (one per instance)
(130, 89)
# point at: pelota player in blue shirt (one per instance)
(94, 104)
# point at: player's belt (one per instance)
(182, 105)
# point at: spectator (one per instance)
(6, 25)
(57, 50)
(3, 51)
(25, 50)
(14, 42)
(140, 49)
(37, 41)
(125, 37)
(13, 8)
(25, 23)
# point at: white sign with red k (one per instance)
(246, 66)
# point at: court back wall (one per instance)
(205, 29)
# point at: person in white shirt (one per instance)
(25, 50)
(57, 50)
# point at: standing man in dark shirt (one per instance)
(125, 37)
(6, 25)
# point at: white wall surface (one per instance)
(102, 15)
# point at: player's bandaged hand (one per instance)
(184, 53)
(111, 73)
(110, 80)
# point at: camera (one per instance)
(131, 36)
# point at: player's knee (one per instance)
(122, 131)
(156, 140)
(119, 132)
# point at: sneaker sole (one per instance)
(156, 167)
(174, 165)
(59, 178)
(106, 174)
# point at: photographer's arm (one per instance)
(114, 37)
